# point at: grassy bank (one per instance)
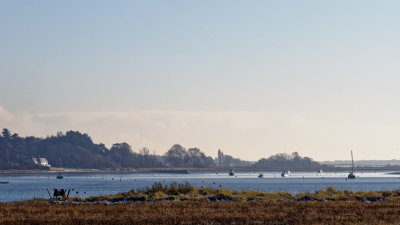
(185, 192)
(185, 204)
(202, 212)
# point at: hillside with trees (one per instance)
(226, 161)
(178, 156)
(77, 150)
(13, 152)
(283, 160)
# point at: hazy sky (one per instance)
(253, 78)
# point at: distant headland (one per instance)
(75, 150)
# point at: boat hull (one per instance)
(351, 176)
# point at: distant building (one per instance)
(41, 161)
(35, 160)
(44, 162)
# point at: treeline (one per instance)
(284, 160)
(76, 150)
(13, 152)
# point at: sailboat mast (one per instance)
(352, 162)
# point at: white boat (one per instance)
(351, 174)
(285, 173)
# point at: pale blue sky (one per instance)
(317, 77)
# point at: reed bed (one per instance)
(202, 212)
(183, 192)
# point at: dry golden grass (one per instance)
(185, 204)
(202, 212)
(175, 191)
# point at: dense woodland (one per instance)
(76, 150)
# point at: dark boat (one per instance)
(231, 173)
(60, 176)
(351, 174)
(260, 175)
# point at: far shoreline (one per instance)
(396, 170)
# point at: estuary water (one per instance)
(35, 185)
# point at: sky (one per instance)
(252, 78)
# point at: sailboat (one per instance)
(351, 174)
(59, 175)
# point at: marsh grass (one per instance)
(184, 204)
(202, 212)
(186, 192)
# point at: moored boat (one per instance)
(60, 176)
(351, 174)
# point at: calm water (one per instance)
(28, 186)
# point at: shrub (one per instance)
(331, 191)
(348, 192)
(387, 193)
(186, 188)
(223, 195)
(158, 195)
(157, 187)
(206, 191)
(139, 197)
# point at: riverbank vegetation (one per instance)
(184, 204)
(202, 212)
(76, 150)
(186, 192)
